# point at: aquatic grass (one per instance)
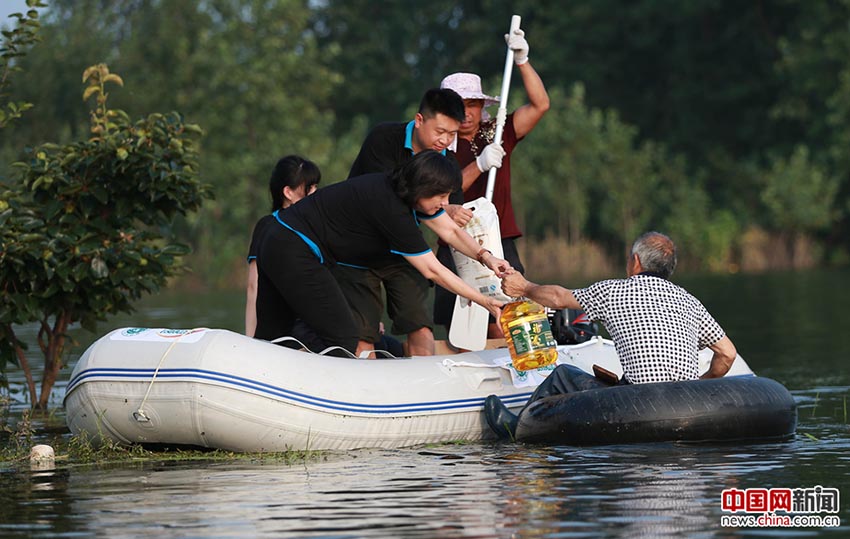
(86, 449)
(811, 437)
(19, 437)
(98, 448)
(83, 451)
(101, 449)
(815, 406)
(453, 443)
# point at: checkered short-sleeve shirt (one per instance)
(657, 327)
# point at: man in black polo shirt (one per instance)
(388, 146)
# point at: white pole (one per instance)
(502, 115)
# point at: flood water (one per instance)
(789, 327)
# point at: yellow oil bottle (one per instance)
(528, 334)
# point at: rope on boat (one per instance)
(366, 353)
(293, 339)
(140, 415)
(363, 355)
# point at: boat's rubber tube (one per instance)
(722, 409)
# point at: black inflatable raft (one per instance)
(741, 408)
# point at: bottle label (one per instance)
(532, 335)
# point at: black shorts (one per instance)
(407, 293)
(444, 301)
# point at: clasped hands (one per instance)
(514, 284)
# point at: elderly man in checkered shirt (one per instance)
(657, 327)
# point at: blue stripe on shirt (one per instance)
(426, 217)
(408, 137)
(310, 243)
(393, 251)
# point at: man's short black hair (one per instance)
(442, 101)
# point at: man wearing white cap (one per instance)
(475, 145)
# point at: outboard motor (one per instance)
(571, 326)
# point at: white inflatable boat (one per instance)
(219, 389)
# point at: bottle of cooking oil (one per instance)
(528, 334)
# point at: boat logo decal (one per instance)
(159, 334)
(129, 332)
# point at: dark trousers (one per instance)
(567, 379)
(293, 284)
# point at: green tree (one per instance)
(556, 166)
(728, 89)
(51, 71)
(813, 104)
(388, 61)
(86, 231)
(707, 234)
(799, 195)
(16, 43)
(249, 71)
(265, 95)
(583, 169)
(627, 182)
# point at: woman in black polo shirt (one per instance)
(362, 222)
(292, 179)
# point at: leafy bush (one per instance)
(86, 231)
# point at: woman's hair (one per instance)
(292, 171)
(427, 174)
(657, 253)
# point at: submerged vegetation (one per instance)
(78, 450)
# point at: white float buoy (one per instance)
(42, 452)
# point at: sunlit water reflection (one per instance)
(499, 490)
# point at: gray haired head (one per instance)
(656, 252)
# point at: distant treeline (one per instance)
(724, 124)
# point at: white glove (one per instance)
(491, 156)
(517, 43)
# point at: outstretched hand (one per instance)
(514, 284)
(459, 214)
(499, 266)
(495, 307)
